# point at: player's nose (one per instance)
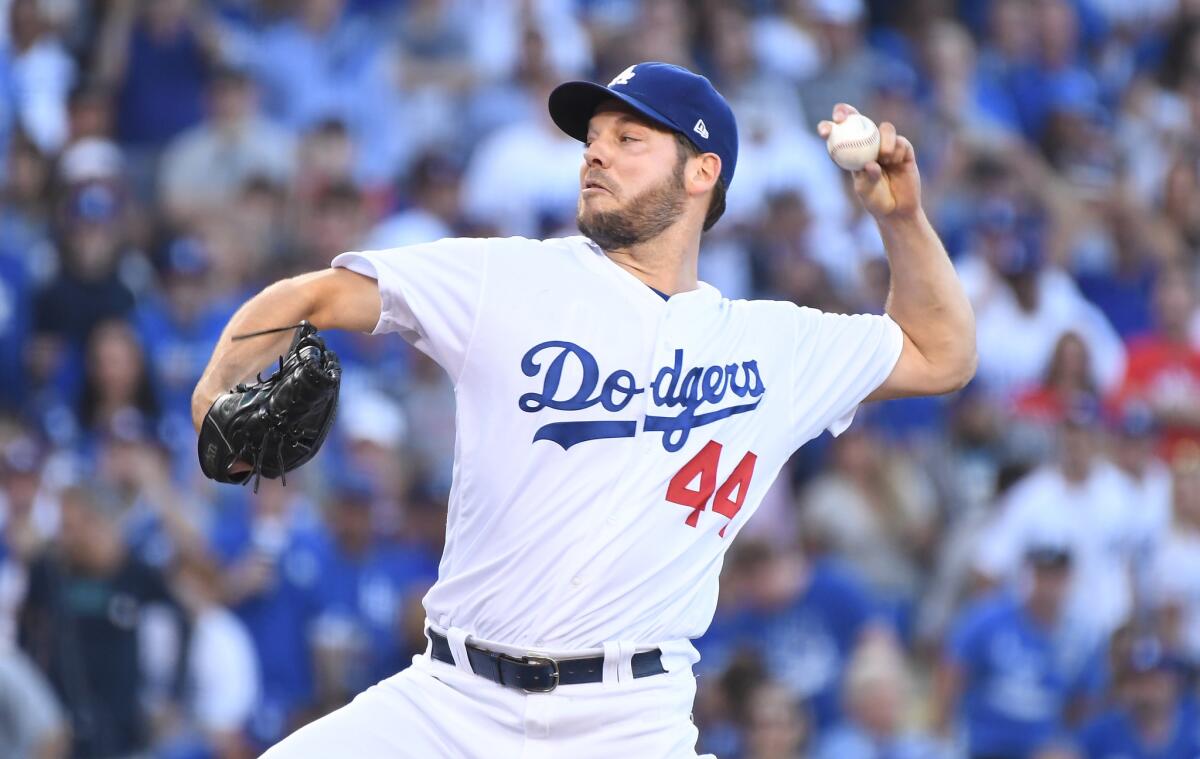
(596, 154)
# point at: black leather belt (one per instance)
(540, 674)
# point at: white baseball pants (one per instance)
(433, 710)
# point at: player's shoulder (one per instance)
(512, 249)
(808, 322)
(575, 246)
(762, 308)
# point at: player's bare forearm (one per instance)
(928, 302)
(331, 299)
(926, 298)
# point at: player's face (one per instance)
(631, 181)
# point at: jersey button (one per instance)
(577, 581)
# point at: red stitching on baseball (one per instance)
(862, 142)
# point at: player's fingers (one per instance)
(873, 171)
(887, 141)
(824, 128)
(903, 151)
(843, 111)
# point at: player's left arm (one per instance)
(926, 298)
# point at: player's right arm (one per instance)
(335, 298)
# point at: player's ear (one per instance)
(703, 172)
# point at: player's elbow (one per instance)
(336, 298)
(962, 371)
(959, 357)
(953, 368)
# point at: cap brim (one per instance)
(573, 103)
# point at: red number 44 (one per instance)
(695, 482)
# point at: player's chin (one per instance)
(588, 209)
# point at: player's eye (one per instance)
(629, 138)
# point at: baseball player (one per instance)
(618, 422)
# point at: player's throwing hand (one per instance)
(889, 185)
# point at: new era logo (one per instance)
(623, 77)
(700, 129)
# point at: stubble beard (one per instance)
(643, 218)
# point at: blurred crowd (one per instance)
(1012, 572)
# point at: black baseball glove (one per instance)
(275, 424)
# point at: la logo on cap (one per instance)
(624, 76)
(700, 129)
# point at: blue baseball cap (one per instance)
(668, 95)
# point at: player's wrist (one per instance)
(903, 218)
(203, 397)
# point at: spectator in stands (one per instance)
(432, 206)
(116, 379)
(783, 250)
(259, 215)
(877, 509)
(1055, 26)
(178, 325)
(33, 725)
(25, 253)
(1181, 194)
(1163, 370)
(1015, 670)
(1084, 498)
(1023, 307)
(1123, 286)
(1134, 451)
(223, 676)
(1151, 716)
(811, 616)
(336, 222)
(878, 691)
(1176, 565)
(160, 525)
(1038, 410)
(90, 112)
(428, 406)
(40, 74)
(270, 567)
(961, 94)
(80, 625)
(776, 725)
(156, 57)
(88, 288)
(324, 158)
(539, 198)
(25, 213)
(203, 167)
(847, 62)
(316, 64)
(361, 591)
(26, 521)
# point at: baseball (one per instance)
(853, 143)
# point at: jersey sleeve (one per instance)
(430, 294)
(839, 361)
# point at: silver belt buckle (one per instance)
(538, 660)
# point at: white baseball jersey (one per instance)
(610, 443)
(1096, 518)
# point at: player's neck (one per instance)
(668, 263)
